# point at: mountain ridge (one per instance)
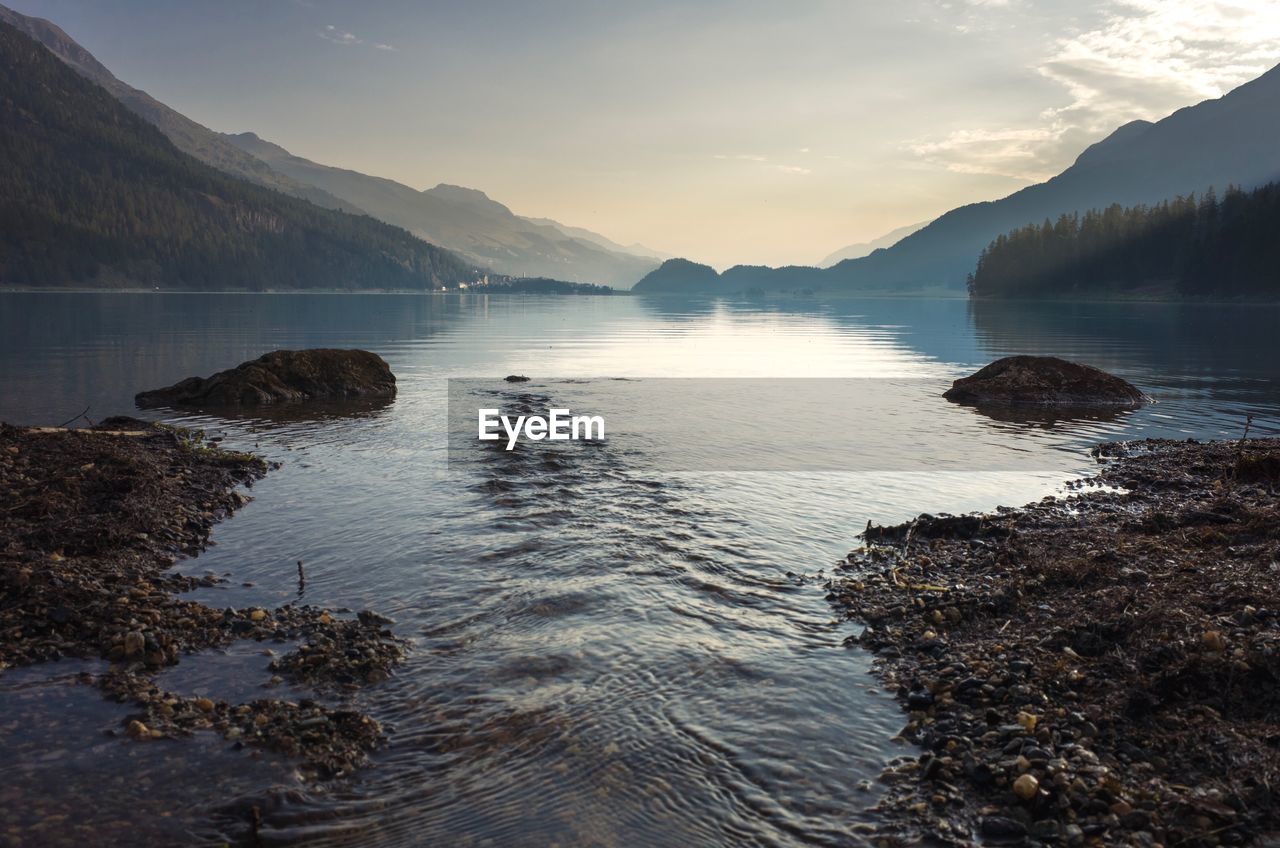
(187, 135)
(96, 194)
(860, 249)
(464, 220)
(1193, 148)
(1215, 143)
(499, 239)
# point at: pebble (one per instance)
(134, 643)
(1026, 787)
(1000, 827)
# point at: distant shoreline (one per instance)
(815, 296)
(81, 290)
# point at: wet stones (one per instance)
(342, 653)
(1104, 676)
(91, 522)
(1002, 828)
(134, 643)
(1026, 786)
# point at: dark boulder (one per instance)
(1044, 381)
(283, 376)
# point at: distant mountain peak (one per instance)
(462, 219)
(856, 251)
(457, 192)
(189, 136)
(56, 39)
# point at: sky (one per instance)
(725, 131)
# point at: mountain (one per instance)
(190, 137)
(486, 232)
(1230, 140)
(678, 276)
(93, 194)
(857, 251)
(1222, 142)
(751, 278)
(1211, 248)
(636, 249)
(464, 220)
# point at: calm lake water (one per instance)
(605, 650)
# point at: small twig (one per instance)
(1248, 421)
(1231, 475)
(85, 416)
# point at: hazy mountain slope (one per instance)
(190, 137)
(607, 243)
(1215, 143)
(857, 251)
(93, 194)
(462, 219)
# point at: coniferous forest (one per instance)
(1206, 247)
(94, 195)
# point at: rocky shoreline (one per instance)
(91, 523)
(1100, 669)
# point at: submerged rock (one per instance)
(1044, 380)
(283, 376)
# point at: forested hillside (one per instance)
(94, 195)
(1210, 247)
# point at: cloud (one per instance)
(1144, 59)
(763, 160)
(337, 36)
(1008, 152)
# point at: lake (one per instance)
(627, 647)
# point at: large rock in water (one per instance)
(1044, 380)
(283, 376)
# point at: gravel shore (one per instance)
(91, 523)
(1101, 668)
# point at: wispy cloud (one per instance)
(763, 160)
(338, 36)
(1014, 153)
(1144, 59)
